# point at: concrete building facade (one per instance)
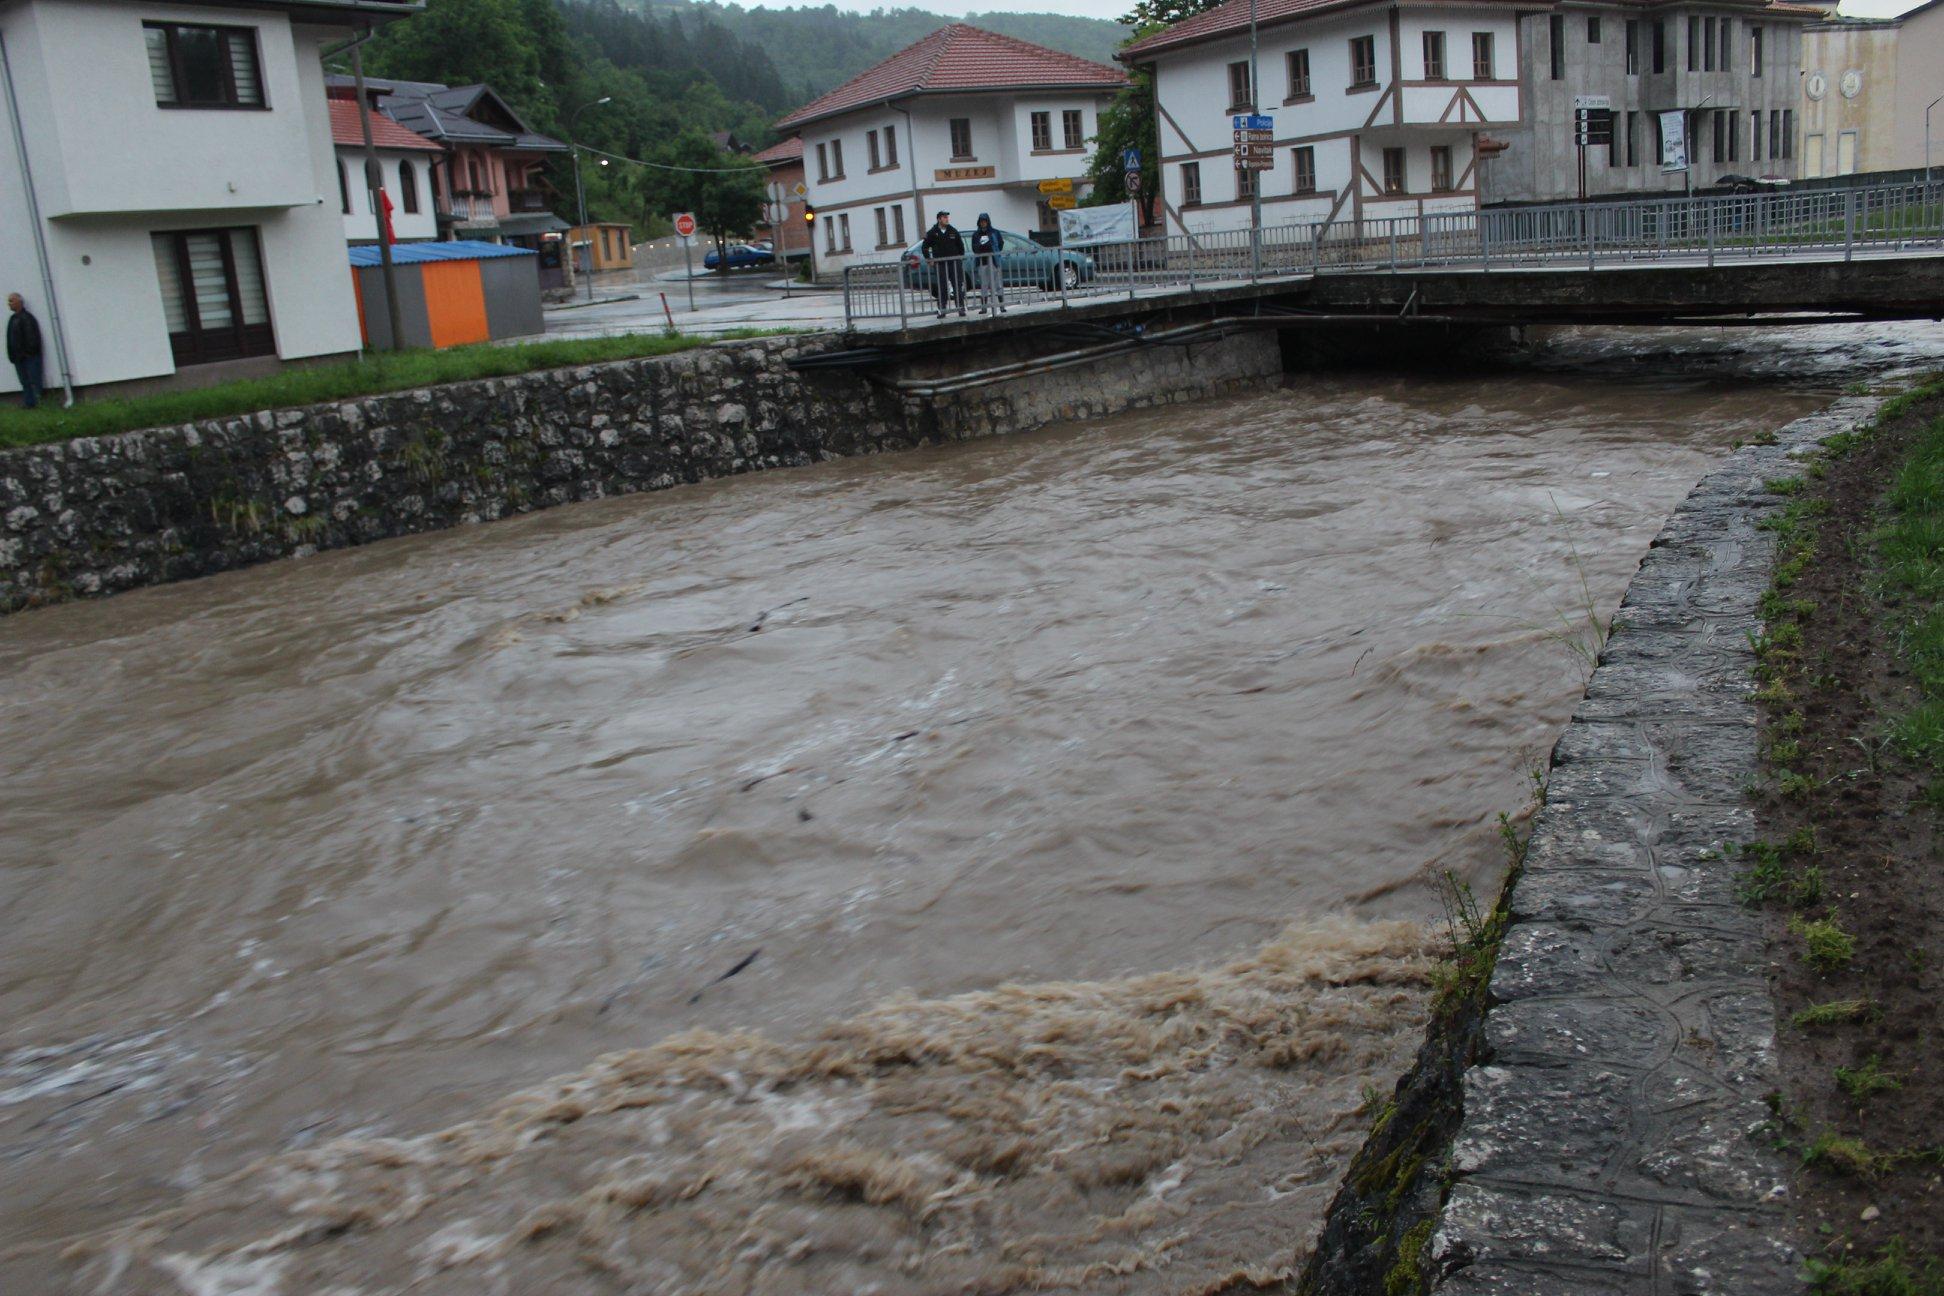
(962, 121)
(1867, 85)
(1378, 108)
(174, 162)
(1732, 67)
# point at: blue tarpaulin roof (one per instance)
(366, 254)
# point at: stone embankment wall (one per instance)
(101, 514)
(1613, 1137)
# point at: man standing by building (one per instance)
(945, 249)
(24, 349)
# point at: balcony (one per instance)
(529, 200)
(465, 207)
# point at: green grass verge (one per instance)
(1892, 1272)
(308, 385)
(1910, 547)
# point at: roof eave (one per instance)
(891, 101)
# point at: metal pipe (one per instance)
(374, 193)
(34, 218)
(580, 198)
(1927, 112)
(1185, 335)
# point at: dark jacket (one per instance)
(987, 242)
(943, 242)
(23, 336)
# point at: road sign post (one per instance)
(1592, 124)
(685, 231)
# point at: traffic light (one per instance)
(809, 214)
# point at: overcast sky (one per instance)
(1115, 8)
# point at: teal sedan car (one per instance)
(1022, 264)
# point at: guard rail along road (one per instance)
(1819, 225)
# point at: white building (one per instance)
(964, 121)
(1378, 108)
(406, 164)
(176, 196)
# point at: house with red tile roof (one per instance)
(405, 164)
(785, 162)
(964, 121)
(1398, 110)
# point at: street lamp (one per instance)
(580, 195)
(1927, 111)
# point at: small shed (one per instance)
(609, 243)
(449, 294)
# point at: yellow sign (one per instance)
(1062, 202)
(1062, 185)
(963, 173)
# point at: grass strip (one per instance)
(314, 384)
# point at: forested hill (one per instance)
(814, 49)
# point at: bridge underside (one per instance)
(1745, 293)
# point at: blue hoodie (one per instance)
(986, 241)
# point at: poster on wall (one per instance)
(1673, 128)
(1084, 225)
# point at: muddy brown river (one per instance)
(989, 867)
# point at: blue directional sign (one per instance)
(1245, 121)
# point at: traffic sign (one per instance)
(1131, 181)
(1252, 121)
(1130, 159)
(1582, 102)
(1062, 202)
(684, 226)
(799, 189)
(1062, 185)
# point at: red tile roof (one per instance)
(347, 131)
(789, 150)
(960, 58)
(1232, 19)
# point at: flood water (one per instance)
(992, 866)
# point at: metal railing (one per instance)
(1708, 231)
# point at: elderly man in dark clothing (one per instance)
(24, 349)
(945, 249)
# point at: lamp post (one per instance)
(1927, 167)
(580, 194)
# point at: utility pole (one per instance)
(580, 194)
(1255, 177)
(374, 193)
(1927, 165)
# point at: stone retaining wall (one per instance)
(101, 514)
(1613, 1140)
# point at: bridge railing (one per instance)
(1708, 230)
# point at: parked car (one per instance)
(741, 256)
(1746, 184)
(1022, 263)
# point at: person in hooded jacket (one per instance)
(986, 278)
(944, 247)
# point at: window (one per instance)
(212, 295)
(1788, 133)
(883, 227)
(871, 147)
(1073, 129)
(837, 159)
(1305, 170)
(1190, 184)
(1632, 42)
(1734, 135)
(1245, 183)
(1556, 34)
(1042, 131)
(843, 225)
(1441, 168)
(1694, 45)
(344, 188)
(203, 67)
(891, 148)
(1707, 44)
(823, 165)
(1755, 136)
(1593, 29)
(1297, 62)
(1633, 138)
(1434, 64)
(1393, 170)
(897, 225)
(1238, 77)
(830, 234)
(1613, 140)
(1363, 61)
(1754, 51)
(408, 188)
(1720, 145)
(961, 139)
(1727, 61)
(1660, 45)
(1481, 56)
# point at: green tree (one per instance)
(722, 189)
(1128, 122)
(1149, 16)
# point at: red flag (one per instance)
(385, 205)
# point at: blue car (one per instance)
(742, 256)
(1022, 263)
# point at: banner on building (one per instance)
(1085, 225)
(1673, 128)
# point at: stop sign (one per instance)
(685, 224)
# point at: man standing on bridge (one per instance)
(945, 249)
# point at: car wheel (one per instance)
(1069, 275)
